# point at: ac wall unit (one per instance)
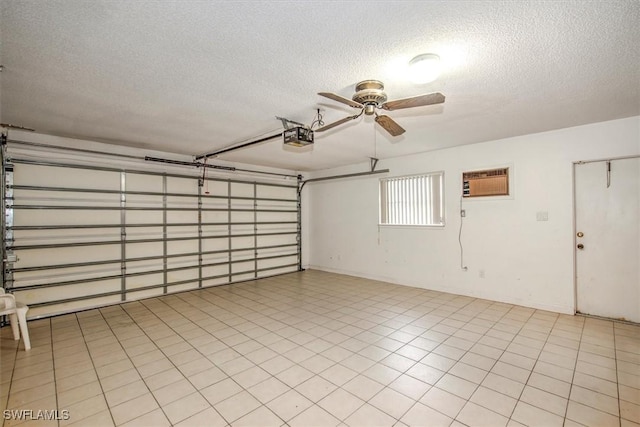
(491, 182)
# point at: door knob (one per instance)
(580, 246)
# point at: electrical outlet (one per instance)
(463, 213)
(481, 274)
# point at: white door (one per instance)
(608, 238)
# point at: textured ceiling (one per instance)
(191, 77)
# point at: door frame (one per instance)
(575, 230)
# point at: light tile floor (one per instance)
(321, 349)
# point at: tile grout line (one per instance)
(94, 366)
(176, 366)
(15, 363)
(532, 370)
(13, 369)
(465, 351)
(104, 394)
(53, 362)
(442, 343)
(136, 367)
(615, 359)
(488, 372)
(574, 369)
(214, 337)
(416, 401)
(293, 388)
(298, 364)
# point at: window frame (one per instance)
(441, 224)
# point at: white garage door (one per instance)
(87, 236)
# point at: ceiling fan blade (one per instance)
(342, 99)
(414, 101)
(337, 123)
(390, 125)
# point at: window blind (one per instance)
(412, 200)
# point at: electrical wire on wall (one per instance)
(317, 120)
(462, 216)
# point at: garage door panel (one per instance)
(86, 237)
(138, 250)
(145, 280)
(275, 271)
(60, 176)
(242, 217)
(182, 262)
(215, 188)
(182, 247)
(181, 232)
(179, 217)
(63, 236)
(65, 198)
(182, 185)
(44, 257)
(242, 229)
(273, 192)
(217, 281)
(135, 267)
(78, 274)
(144, 201)
(276, 228)
(215, 230)
(145, 293)
(71, 306)
(277, 216)
(214, 216)
(215, 244)
(276, 240)
(143, 233)
(215, 273)
(142, 182)
(241, 242)
(86, 290)
(243, 255)
(274, 262)
(242, 189)
(43, 217)
(242, 267)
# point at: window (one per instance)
(412, 200)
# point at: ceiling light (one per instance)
(424, 68)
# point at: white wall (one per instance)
(523, 261)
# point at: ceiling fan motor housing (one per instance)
(371, 94)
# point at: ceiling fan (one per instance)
(370, 96)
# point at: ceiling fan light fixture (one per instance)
(424, 68)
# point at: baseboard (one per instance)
(538, 305)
